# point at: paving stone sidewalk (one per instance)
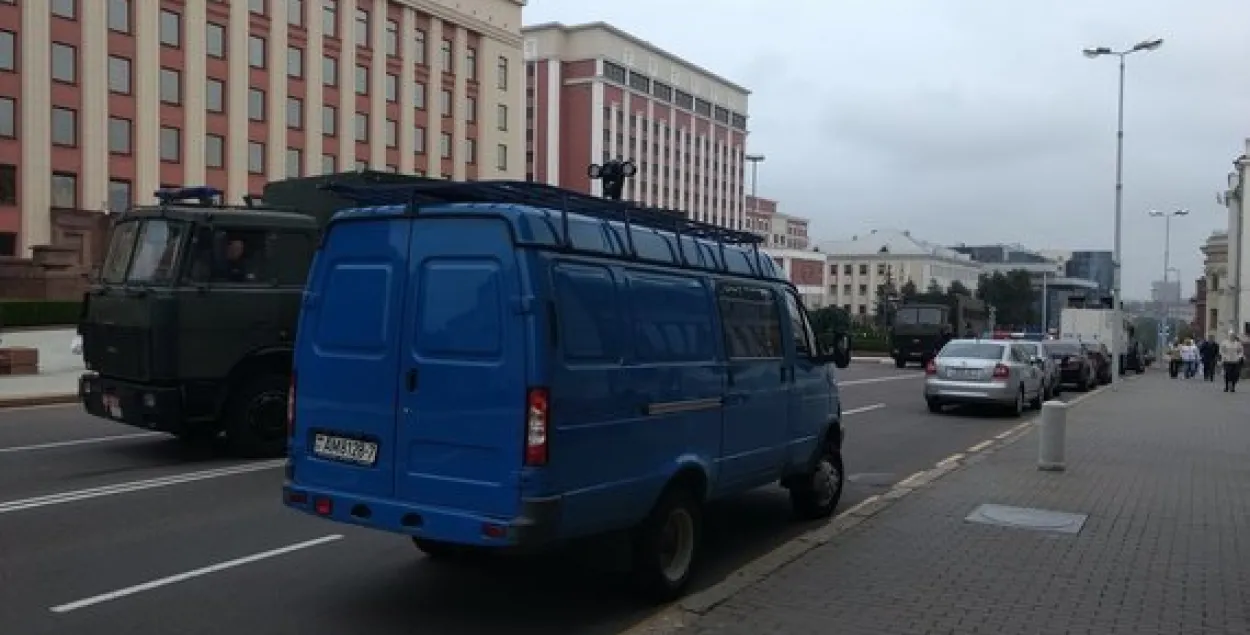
(1161, 467)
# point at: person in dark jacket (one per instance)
(1209, 351)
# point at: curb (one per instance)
(49, 399)
(685, 612)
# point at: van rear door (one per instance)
(347, 356)
(460, 428)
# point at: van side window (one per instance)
(751, 320)
(671, 318)
(589, 316)
(804, 340)
(231, 256)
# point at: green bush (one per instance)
(869, 344)
(28, 313)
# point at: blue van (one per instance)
(509, 365)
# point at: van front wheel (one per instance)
(666, 545)
(816, 495)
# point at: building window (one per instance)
(329, 164)
(470, 62)
(445, 103)
(294, 62)
(215, 95)
(446, 58)
(392, 88)
(329, 71)
(65, 8)
(470, 109)
(501, 81)
(64, 127)
(255, 157)
(255, 104)
(64, 63)
(418, 140)
(120, 135)
(444, 145)
(119, 16)
(171, 144)
(294, 113)
(502, 115)
(501, 157)
(418, 95)
(64, 190)
(256, 51)
(329, 120)
(215, 151)
(294, 162)
(8, 117)
(8, 51)
(119, 75)
(119, 195)
(361, 165)
(330, 17)
(171, 86)
(362, 28)
(171, 29)
(295, 12)
(392, 133)
(215, 40)
(392, 38)
(256, 6)
(470, 151)
(8, 184)
(418, 49)
(362, 127)
(362, 80)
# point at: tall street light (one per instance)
(755, 160)
(1164, 304)
(1095, 52)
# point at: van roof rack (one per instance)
(435, 191)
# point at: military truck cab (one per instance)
(189, 328)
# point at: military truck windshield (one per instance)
(120, 249)
(156, 253)
(919, 317)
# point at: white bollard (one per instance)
(1053, 425)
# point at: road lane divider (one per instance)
(877, 380)
(862, 409)
(195, 573)
(48, 500)
(980, 446)
(75, 442)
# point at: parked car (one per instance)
(504, 366)
(1101, 356)
(1076, 365)
(984, 372)
(1040, 350)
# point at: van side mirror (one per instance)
(835, 347)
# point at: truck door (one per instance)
(462, 379)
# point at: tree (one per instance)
(958, 288)
(1012, 296)
(934, 288)
(909, 291)
(831, 319)
(887, 296)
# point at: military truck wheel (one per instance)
(899, 362)
(256, 416)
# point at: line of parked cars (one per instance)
(1013, 374)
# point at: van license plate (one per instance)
(328, 446)
(112, 405)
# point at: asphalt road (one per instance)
(105, 529)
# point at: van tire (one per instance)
(678, 510)
(815, 495)
(256, 416)
(436, 550)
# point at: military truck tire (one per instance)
(256, 416)
(899, 362)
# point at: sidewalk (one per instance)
(1161, 467)
(59, 368)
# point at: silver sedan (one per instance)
(987, 372)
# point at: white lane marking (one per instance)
(905, 482)
(89, 441)
(42, 406)
(1003, 435)
(874, 380)
(48, 500)
(863, 409)
(196, 573)
(950, 459)
(980, 446)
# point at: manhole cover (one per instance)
(1027, 518)
(873, 479)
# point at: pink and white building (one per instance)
(594, 93)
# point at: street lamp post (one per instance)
(1164, 304)
(755, 160)
(1095, 52)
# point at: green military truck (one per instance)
(189, 328)
(918, 327)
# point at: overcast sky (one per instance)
(975, 121)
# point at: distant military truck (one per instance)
(918, 326)
(188, 329)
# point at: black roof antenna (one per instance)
(613, 174)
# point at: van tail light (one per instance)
(290, 409)
(930, 368)
(537, 427)
(1001, 371)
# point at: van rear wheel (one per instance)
(666, 545)
(439, 550)
(816, 495)
(256, 416)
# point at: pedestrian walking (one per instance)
(1209, 351)
(1173, 355)
(1189, 357)
(1232, 354)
